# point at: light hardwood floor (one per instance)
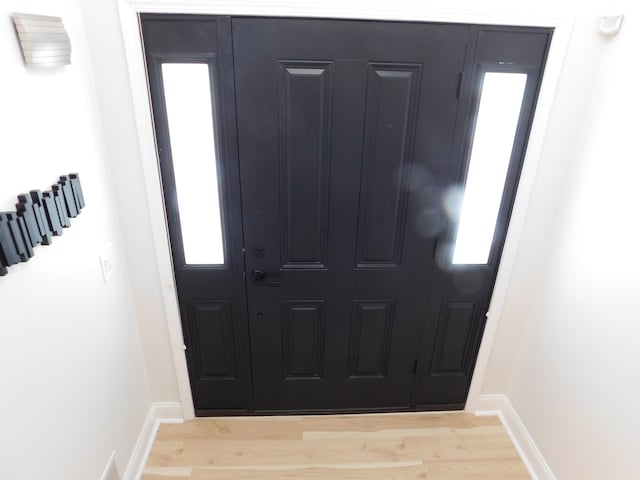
(435, 446)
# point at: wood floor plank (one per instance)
(402, 433)
(232, 429)
(367, 423)
(177, 472)
(353, 447)
(160, 475)
(164, 477)
(399, 473)
(502, 469)
(208, 452)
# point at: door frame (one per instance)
(403, 10)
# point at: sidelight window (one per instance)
(187, 90)
(493, 139)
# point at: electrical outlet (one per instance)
(107, 261)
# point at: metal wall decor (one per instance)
(39, 216)
(44, 40)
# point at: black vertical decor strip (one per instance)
(24, 234)
(25, 209)
(38, 217)
(45, 228)
(7, 247)
(16, 235)
(77, 190)
(66, 180)
(69, 202)
(60, 205)
(51, 212)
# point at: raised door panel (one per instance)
(212, 340)
(370, 338)
(390, 119)
(213, 355)
(303, 332)
(305, 135)
(455, 330)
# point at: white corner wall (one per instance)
(566, 353)
(104, 38)
(73, 384)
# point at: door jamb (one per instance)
(347, 9)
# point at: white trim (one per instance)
(168, 412)
(111, 464)
(132, 38)
(374, 10)
(551, 78)
(501, 406)
(401, 10)
(159, 412)
(489, 404)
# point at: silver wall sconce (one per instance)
(44, 40)
(611, 23)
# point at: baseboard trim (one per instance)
(110, 470)
(500, 405)
(159, 412)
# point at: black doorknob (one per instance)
(258, 275)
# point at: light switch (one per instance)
(107, 261)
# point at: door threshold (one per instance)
(447, 407)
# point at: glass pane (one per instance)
(192, 137)
(500, 103)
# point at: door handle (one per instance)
(257, 275)
(259, 278)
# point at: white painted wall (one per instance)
(564, 131)
(73, 384)
(567, 349)
(116, 106)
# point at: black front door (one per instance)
(332, 116)
(336, 150)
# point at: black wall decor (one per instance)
(39, 216)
